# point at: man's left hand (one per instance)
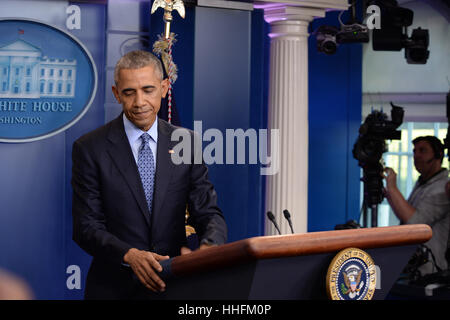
(186, 250)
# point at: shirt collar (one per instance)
(423, 181)
(134, 133)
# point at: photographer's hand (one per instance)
(402, 209)
(391, 179)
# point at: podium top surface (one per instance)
(267, 247)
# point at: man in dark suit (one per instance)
(129, 198)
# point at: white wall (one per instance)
(420, 89)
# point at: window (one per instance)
(400, 158)
(5, 86)
(69, 73)
(42, 72)
(50, 87)
(5, 71)
(17, 71)
(28, 71)
(68, 88)
(60, 73)
(28, 87)
(42, 87)
(59, 87)
(52, 72)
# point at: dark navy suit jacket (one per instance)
(110, 213)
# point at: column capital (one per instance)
(294, 29)
(303, 10)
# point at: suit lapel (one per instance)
(120, 152)
(164, 167)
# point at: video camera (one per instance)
(374, 131)
(329, 37)
(393, 35)
(370, 147)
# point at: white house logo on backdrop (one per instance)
(25, 73)
(47, 80)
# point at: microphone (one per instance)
(272, 218)
(287, 215)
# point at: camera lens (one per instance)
(329, 47)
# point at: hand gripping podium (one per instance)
(287, 267)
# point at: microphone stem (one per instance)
(279, 232)
(290, 225)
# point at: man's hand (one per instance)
(144, 264)
(391, 178)
(186, 250)
(402, 209)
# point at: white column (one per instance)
(288, 111)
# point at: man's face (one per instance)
(140, 92)
(424, 159)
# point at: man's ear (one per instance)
(164, 87)
(116, 93)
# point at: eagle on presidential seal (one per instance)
(352, 279)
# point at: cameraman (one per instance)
(428, 202)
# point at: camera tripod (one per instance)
(373, 215)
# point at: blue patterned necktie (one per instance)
(146, 167)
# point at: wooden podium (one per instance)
(288, 267)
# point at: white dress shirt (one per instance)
(134, 137)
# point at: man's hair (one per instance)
(435, 143)
(138, 59)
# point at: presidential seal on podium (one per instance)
(351, 276)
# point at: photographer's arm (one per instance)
(402, 209)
